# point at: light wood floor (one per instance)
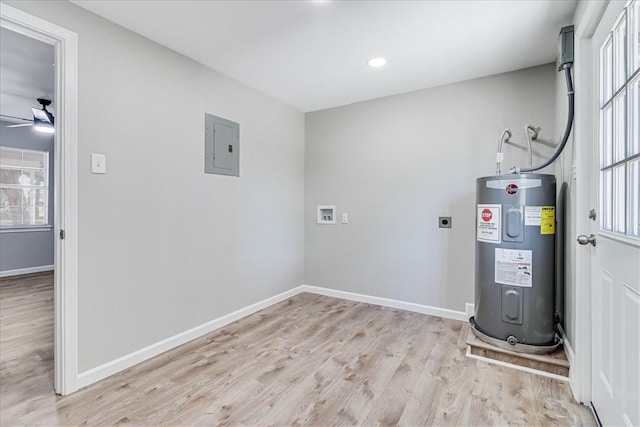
(310, 360)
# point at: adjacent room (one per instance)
(320, 212)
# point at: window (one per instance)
(620, 125)
(24, 187)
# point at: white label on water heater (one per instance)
(489, 221)
(532, 215)
(513, 267)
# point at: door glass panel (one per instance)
(634, 33)
(606, 131)
(619, 199)
(606, 65)
(620, 129)
(634, 197)
(634, 116)
(619, 53)
(605, 204)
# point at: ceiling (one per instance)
(312, 54)
(27, 72)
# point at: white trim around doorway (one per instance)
(65, 43)
(585, 131)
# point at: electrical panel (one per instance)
(221, 146)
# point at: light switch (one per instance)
(345, 218)
(98, 163)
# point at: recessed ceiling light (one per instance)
(376, 62)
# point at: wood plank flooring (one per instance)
(310, 360)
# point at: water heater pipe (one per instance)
(567, 131)
(531, 133)
(500, 155)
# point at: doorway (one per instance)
(27, 160)
(64, 225)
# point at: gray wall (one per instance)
(563, 167)
(395, 164)
(566, 203)
(164, 247)
(28, 249)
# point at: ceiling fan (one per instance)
(42, 118)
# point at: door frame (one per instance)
(65, 44)
(588, 16)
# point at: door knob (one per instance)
(584, 239)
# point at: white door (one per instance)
(615, 373)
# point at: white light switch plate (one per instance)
(98, 163)
(345, 218)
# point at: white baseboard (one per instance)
(29, 270)
(386, 302)
(107, 369)
(568, 351)
(96, 374)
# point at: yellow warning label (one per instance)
(547, 220)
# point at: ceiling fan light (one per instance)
(43, 127)
(43, 120)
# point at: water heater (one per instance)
(515, 261)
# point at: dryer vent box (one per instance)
(221, 146)
(326, 214)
